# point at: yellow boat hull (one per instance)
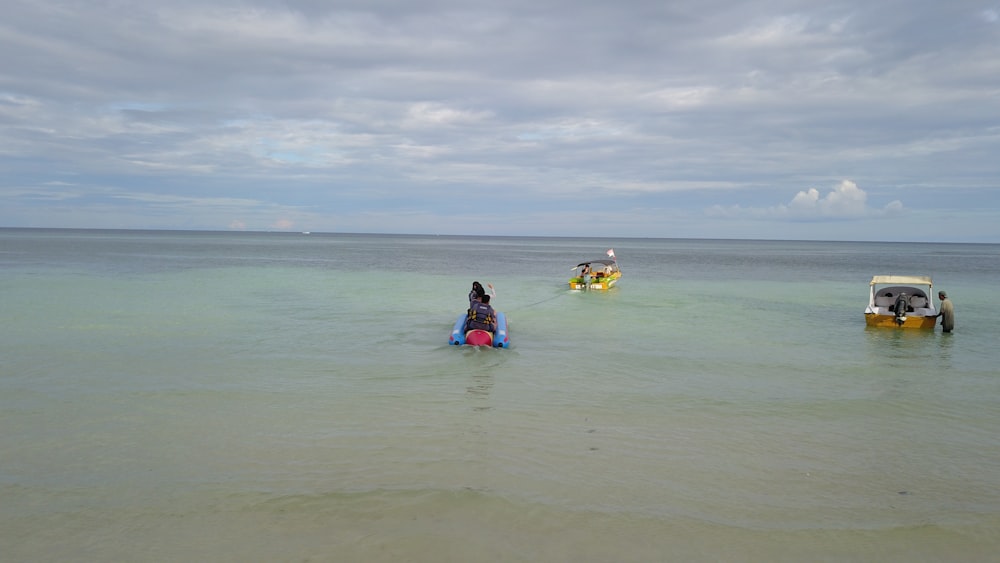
(889, 321)
(602, 283)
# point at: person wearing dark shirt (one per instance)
(477, 293)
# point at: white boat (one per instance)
(901, 302)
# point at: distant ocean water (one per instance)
(193, 396)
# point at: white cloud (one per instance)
(782, 30)
(434, 114)
(845, 201)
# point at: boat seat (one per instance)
(918, 302)
(884, 301)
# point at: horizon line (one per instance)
(321, 233)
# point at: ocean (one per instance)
(210, 396)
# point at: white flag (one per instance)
(611, 252)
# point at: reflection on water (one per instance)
(909, 348)
(898, 343)
(945, 342)
(479, 390)
(483, 363)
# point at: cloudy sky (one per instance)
(773, 119)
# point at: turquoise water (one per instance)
(171, 396)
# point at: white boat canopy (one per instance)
(903, 280)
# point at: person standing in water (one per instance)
(947, 312)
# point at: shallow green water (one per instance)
(263, 397)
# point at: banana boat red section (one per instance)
(461, 337)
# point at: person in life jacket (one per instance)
(482, 316)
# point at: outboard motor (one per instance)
(900, 307)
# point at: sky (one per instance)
(763, 119)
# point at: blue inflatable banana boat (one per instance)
(459, 336)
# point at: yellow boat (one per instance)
(596, 274)
(901, 302)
